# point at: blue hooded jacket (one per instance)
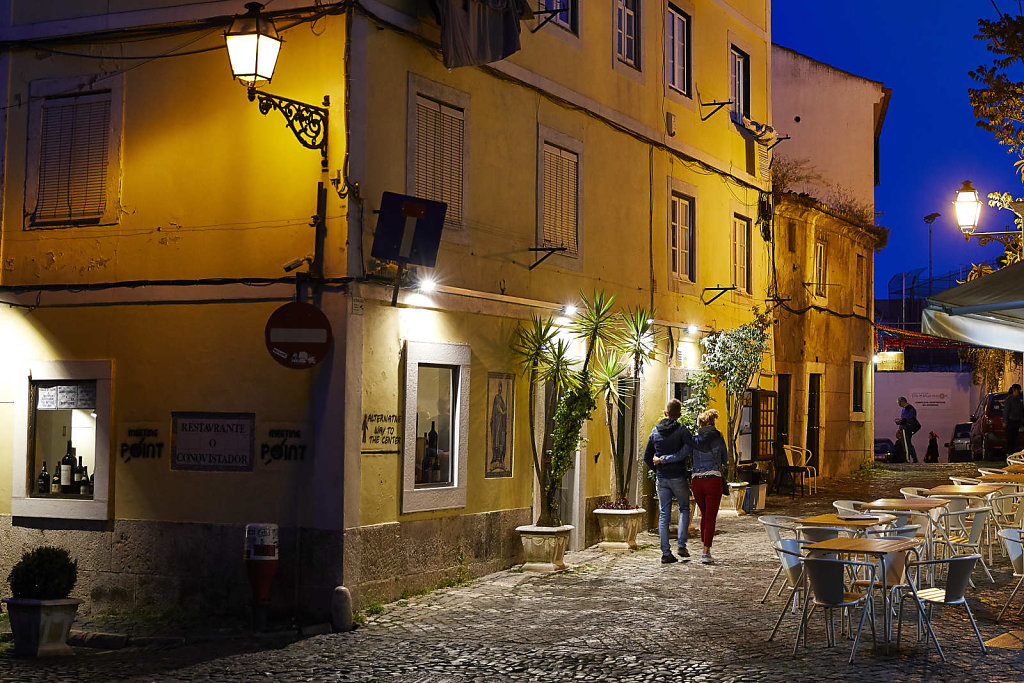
(713, 453)
(669, 438)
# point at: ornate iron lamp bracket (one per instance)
(308, 122)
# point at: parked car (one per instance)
(988, 434)
(883, 450)
(959, 444)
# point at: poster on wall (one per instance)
(500, 388)
(212, 442)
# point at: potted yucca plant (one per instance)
(547, 360)
(40, 611)
(633, 345)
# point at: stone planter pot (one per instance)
(41, 627)
(618, 528)
(544, 547)
(737, 493)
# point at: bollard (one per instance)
(261, 556)
(341, 610)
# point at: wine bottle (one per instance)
(77, 484)
(435, 463)
(67, 467)
(44, 481)
(55, 481)
(83, 488)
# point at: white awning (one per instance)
(988, 311)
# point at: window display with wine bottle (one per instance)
(436, 387)
(63, 433)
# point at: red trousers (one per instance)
(707, 491)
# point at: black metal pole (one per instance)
(929, 219)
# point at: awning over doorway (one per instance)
(988, 311)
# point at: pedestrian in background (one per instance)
(707, 478)
(909, 425)
(667, 453)
(932, 454)
(1013, 411)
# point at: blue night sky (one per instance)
(929, 144)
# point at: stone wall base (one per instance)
(155, 568)
(383, 562)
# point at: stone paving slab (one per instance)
(611, 618)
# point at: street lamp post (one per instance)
(929, 219)
(253, 47)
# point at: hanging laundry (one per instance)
(477, 32)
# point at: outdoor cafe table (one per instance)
(978, 490)
(921, 505)
(914, 504)
(879, 547)
(1015, 479)
(859, 525)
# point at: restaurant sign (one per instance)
(213, 442)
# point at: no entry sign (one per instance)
(298, 335)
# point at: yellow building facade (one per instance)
(140, 301)
(826, 239)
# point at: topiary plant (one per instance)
(45, 573)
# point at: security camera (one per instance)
(296, 263)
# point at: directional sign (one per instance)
(408, 229)
(298, 335)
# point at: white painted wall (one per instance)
(942, 399)
(837, 112)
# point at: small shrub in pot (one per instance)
(41, 612)
(44, 573)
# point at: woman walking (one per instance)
(706, 483)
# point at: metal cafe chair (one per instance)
(813, 534)
(794, 468)
(776, 526)
(958, 576)
(847, 507)
(1007, 513)
(827, 590)
(799, 457)
(965, 529)
(895, 563)
(1014, 545)
(902, 516)
(910, 492)
(788, 552)
(1007, 510)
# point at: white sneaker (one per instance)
(706, 559)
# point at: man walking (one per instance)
(908, 424)
(668, 449)
(1013, 411)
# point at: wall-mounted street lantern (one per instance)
(968, 209)
(253, 47)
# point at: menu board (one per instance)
(47, 398)
(67, 397)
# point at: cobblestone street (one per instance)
(612, 617)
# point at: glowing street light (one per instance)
(968, 208)
(253, 46)
(427, 284)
